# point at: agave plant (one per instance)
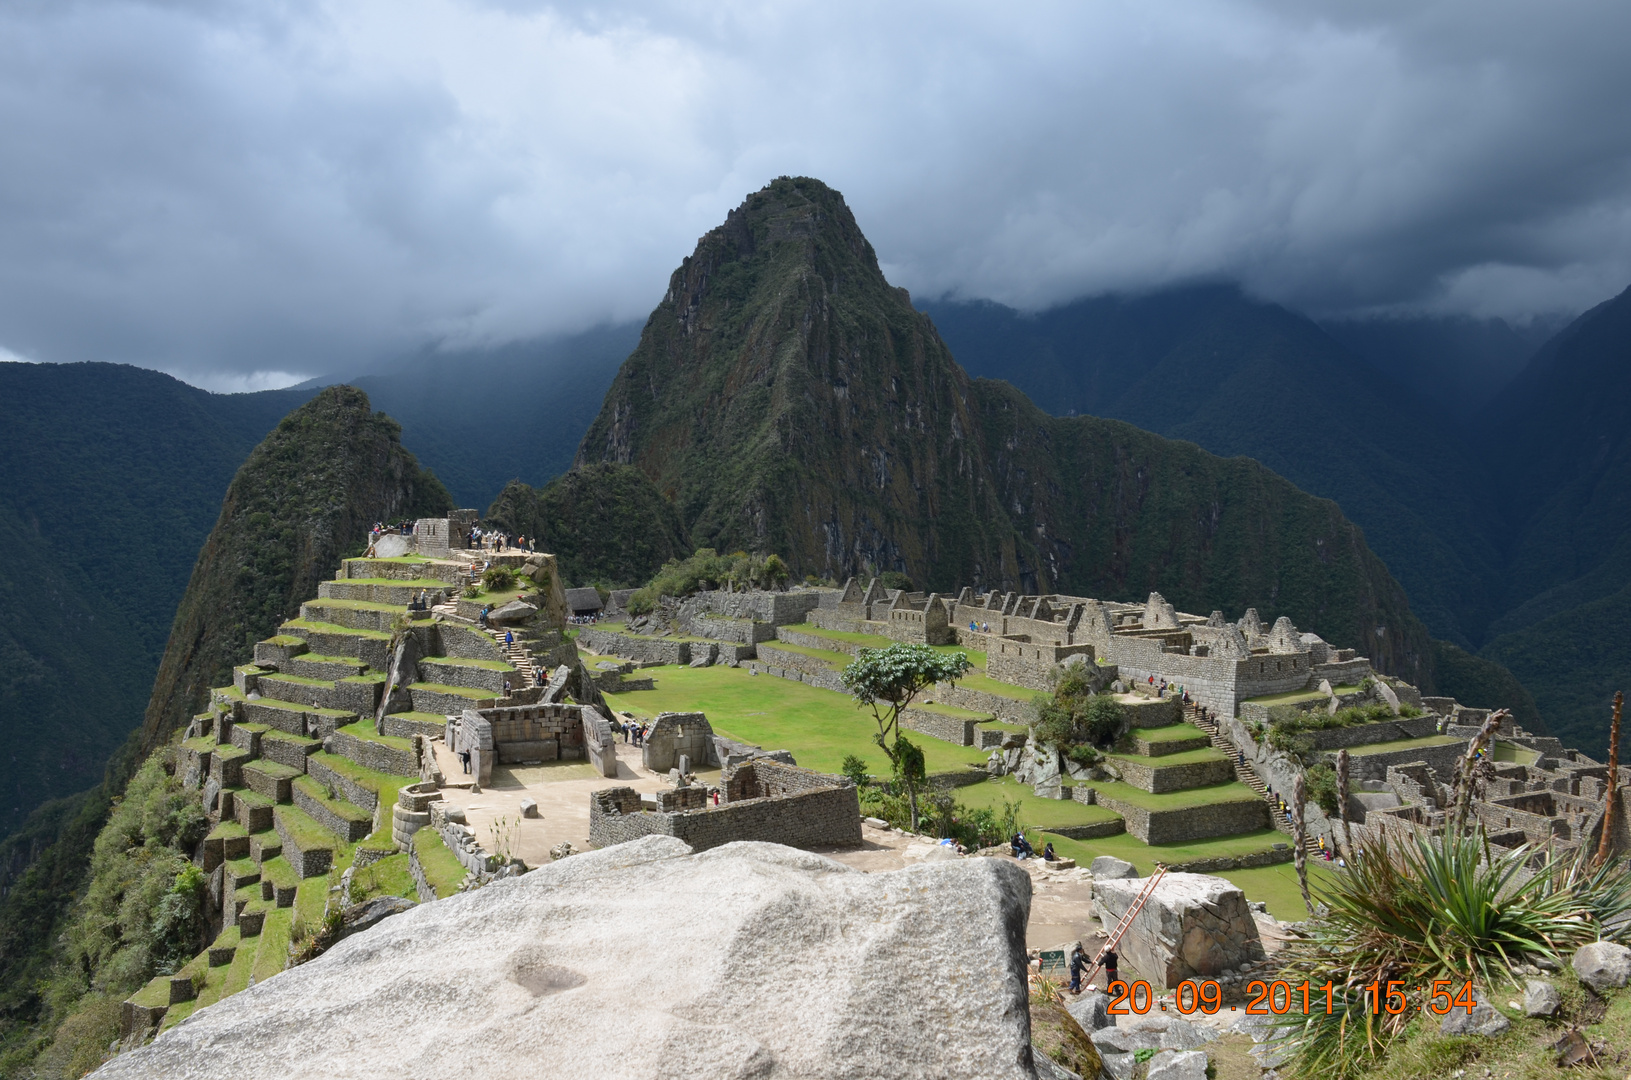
(1426, 909)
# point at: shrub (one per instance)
(854, 768)
(1321, 785)
(894, 579)
(498, 578)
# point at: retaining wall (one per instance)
(940, 726)
(644, 650)
(1189, 823)
(375, 755)
(1159, 779)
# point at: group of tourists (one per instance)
(979, 628)
(1163, 687)
(632, 732)
(583, 620)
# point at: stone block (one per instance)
(529, 808)
(1108, 867)
(1603, 965)
(1192, 927)
(1541, 998)
(1483, 1019)
(718, 1009)
(1177, 1065)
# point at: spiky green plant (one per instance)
(1428, 908)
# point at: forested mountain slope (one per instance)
(110, 478)
(787, 398)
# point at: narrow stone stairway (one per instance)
(1246, 774)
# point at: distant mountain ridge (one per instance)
(1508, 525)
(787, 398)
(110, 478)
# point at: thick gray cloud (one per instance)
(256, 191)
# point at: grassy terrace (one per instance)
(1294, 697)
(954, 711)
(280, 873)
(459, 691)
(1404, 744)
(410, 583)
(295, 706)
(429, 717)
(1505, 751)
(275, 735)
(836, 660)
(285, 640)
(442, 870)
(364, 729)
(974, 680)
(389, 876)
(1034, 811)
(819, 726)
(354, 605)
(299, 680)
(338, 807)
(307, 834)
(1173, 733)
(878, 641)
(273, 949)
(1173, 800)
(315, 627)
(199, 743)
(1165, 761)
(485, 665)
(228, 830)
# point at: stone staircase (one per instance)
(1246, 774)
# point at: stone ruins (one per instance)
(421, 707)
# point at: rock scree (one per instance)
(748, 960)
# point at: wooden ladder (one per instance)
(1126, 921)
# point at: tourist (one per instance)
(506, 687)
(1047, 853)
(464, 757)
(509, 637)
(1079, 962)
(1242, 755)
(1109, 962)
(485, 608)
(716, 796)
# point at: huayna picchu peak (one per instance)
(787, 398)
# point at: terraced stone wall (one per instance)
(940, 726)
(642, 650)
(378, 756)
(1159, 779)
(1189, 823)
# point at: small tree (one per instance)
(887, 681)
(854, 768)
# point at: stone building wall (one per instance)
(1031, 665)
(821, 817)
(676, 734)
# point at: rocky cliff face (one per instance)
(306, 495)
(788, 399)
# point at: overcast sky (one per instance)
(250, 193)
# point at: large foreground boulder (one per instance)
(1193, 927)
(643, 960)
